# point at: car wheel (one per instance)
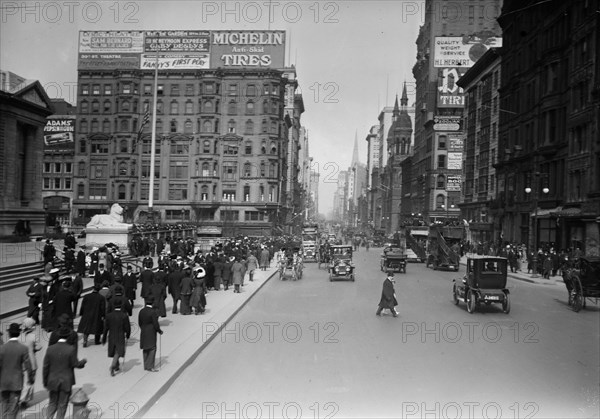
(471, 301)
(455, 295)
(506, 304)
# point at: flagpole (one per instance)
(153, 141)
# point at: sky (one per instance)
(351, 57)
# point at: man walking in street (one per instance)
(130, 284)
(59, 373)
(149, 327)
(93, 310)
(118, 329)
(388, 296)
(14, 360)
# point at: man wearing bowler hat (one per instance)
(388, 296)
(149, 327)
(118, 329)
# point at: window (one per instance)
(264, 126)
(251, 91)
(272, 169)
(230, 150)
(47, 168)
(250, 108)
(95, 89)
(246, 193)
(174, 90)
(174, 107)
(189, 89)
(123, 146)
(178, 171)
(147, 89)
(189, 107)
(228, 195)
(273, 149)
(182, 215)
(208, 106)
(230, 171)
(68, 167)
(46, 183)
(67, 183)
(442, 142)
(95, 126)
(272, 196)
(126, 88)
(124, 125)
(95, 106)
(205, 169)
(125, 106)
(85, 89)
(249, 129)
(204, 193)
(159, 106)
(232, 89)
(265, 106)
(254, 216)
(441, 182)
(207, 126)
(107, 106)
(441, 162)
(122, 168)
(440, 201)
(263, 148)
(274, 129)
(98, 192)
(261, 192)
(57, 167)
(81, 169)
(248, 148)
(99, 171)
(146, 170)
(247, 170)
(209, 88)
(121, 192)
(160, 89)
(83, 126)
(56, 183)
(206, 146)
(262, 169)
(85, 106)
(231, 126)
(229, 215)
(173, 126)
(232, 107)
(178, 192)
(188, 127)
(80, 191)
(100, 147)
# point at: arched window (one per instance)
(274, 107)
(206, 146)
(249, 127)
(106, 126)
(125, 106)
(261, 192)
(124, 125)
(107, 106)
(250, 107)
(273, 148)
(189, 107)
(188, 127)
(263, 148)
(246, 193)
(123, 148)
(440, 202)
(204, 193)
(273, 169)
(441, 182)
(205, 169)
(95, 106)
(174, 109)
(247, 170)
(264, 126)
(232, 107)
(122, 168)
(208, 106)
(207, 126)
(248, 148)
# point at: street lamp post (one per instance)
(528, 190)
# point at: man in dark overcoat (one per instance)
(34, 292)
(147, 279)
(118, 329)
(174, 286)
(77, 288)
(102, 275)
(80, 261)
(93, 310)
(130, 284)
(149, 327)
(186, 292)
(60, 362)
(14, 360)
(388, 296)
(64, 299)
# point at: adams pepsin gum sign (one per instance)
(247, 49)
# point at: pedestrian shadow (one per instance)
(161, 361)
(88, 388)
(35, 407)
(129, 364)
(164, 321)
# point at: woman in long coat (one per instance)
(198, 299)
(264, 258)
(158, 291)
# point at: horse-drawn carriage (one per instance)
(583, 281)
(340, 264)
(291, 264)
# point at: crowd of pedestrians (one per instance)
(182, 271)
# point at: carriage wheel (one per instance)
(506, 304)
(454, 295)
(471, 301)
(578, 299)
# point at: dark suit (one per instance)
(93, 310)
(174, 283)
(149, 327)
(118, 328)
(100, 277)
(147, 279)
(59, 376)
(388, 298)
(14, 359)
(130, 284)
(63, 303)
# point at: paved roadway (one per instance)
(313, 348)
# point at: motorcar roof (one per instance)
(349, 246)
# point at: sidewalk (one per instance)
(524, 276)
(133, 391)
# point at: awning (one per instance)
(212, 230)
(568, 212)
(546, 212)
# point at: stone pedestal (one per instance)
(100, 236)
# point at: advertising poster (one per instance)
(59, 133)
(236, 49)
(454, 161)
(453, 183)
(455, 143)
(462, 51)
(447, 123)
(449, 94)
(177, 50)
(110, 49)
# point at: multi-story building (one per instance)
(481, 119)
(548, 166)
(227, 128)
(313, 203)
(24, 106)
(57, 171)
(373, 150)
(454, 35)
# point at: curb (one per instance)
(553, 281)
(159, 393)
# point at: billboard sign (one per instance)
(235, 49)
(453, 183)
(455, 160)
(59, 133)
(449, 94)
(180, 49)
(110, 49)
(455, 143)
(447, 123)
(462, 51)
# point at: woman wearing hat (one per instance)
(198, 299)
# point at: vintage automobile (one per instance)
(484, 282)
(393, 259)
(340, 264)
(310, 252)
(583, 281)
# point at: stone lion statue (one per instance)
(113, 220)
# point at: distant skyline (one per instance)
(351, 57)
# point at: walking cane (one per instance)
(159, 350)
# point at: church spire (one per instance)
(396, 111)
(404, 100)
